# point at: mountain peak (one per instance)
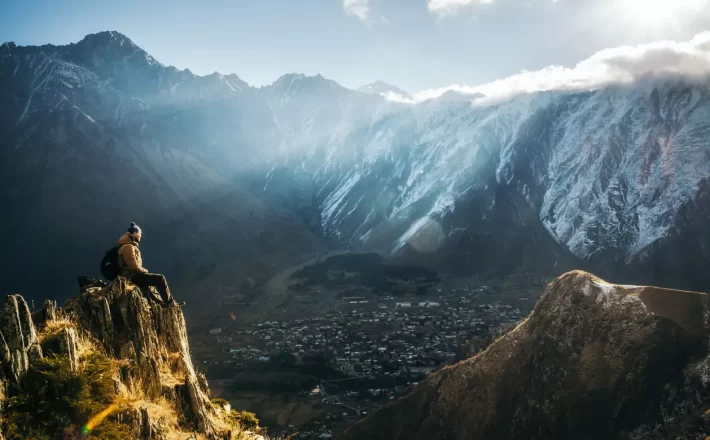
(7, 47)
(107, 38)
(298, 82)
(109, 48)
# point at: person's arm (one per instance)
(133, 259)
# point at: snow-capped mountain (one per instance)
(605, 173)
(616, 178)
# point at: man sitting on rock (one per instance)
(131, 264)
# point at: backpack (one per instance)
(109, 264)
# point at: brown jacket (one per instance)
(129, 256)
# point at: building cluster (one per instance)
(384, 338)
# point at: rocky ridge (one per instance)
(592, 361)
(156, 391)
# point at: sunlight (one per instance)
(660, 13)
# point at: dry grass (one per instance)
(159, 409)
(170, 373)
(51, 328)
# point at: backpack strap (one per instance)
(121, 263)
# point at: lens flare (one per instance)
(98, 418)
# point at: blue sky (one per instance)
(414, 44)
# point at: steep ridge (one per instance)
(108, 349)
(611, 175)
(592, 361)
(99, 134)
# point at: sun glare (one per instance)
(660, 13)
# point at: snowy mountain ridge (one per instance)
(606, 171)
(616, 176)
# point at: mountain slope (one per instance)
(605, 173)
(593, 361)
(97, 134)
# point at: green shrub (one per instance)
(54, 401)
(243, 419)
(218, 401)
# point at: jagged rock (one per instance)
(202, 381)
(151, 428)
(153, 338)
(592, 361)
(150, 373)
(68, 345)
(143, 425)
(116, 322)
(196, 406)
(6, 359)
(34, 353)
(20, 336)
(50, 310)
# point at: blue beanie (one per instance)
(134, 229)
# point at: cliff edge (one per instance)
(107, 365)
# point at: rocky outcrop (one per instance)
(592, 361)
(18, 338)
(150, 337)
(69, 346)
(156, 390)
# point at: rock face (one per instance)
(18, 338)
(148, 342)
(592, 361)
(151, 337)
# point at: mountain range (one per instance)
(232, 182)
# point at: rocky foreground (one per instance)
(592, 361)
(107, 365)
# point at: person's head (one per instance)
(134, 231)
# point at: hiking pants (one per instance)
(156, 280)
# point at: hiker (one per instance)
(131, 267)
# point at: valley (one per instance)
(348, 333)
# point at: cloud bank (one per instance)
(358, 8)
(619, 65)
(444, 7)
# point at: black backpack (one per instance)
(109, 264)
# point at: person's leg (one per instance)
(154, 280)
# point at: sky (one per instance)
(417, 45)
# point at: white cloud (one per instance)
(619, 65)
(358, 8)
(396, 97)
(444, 7)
